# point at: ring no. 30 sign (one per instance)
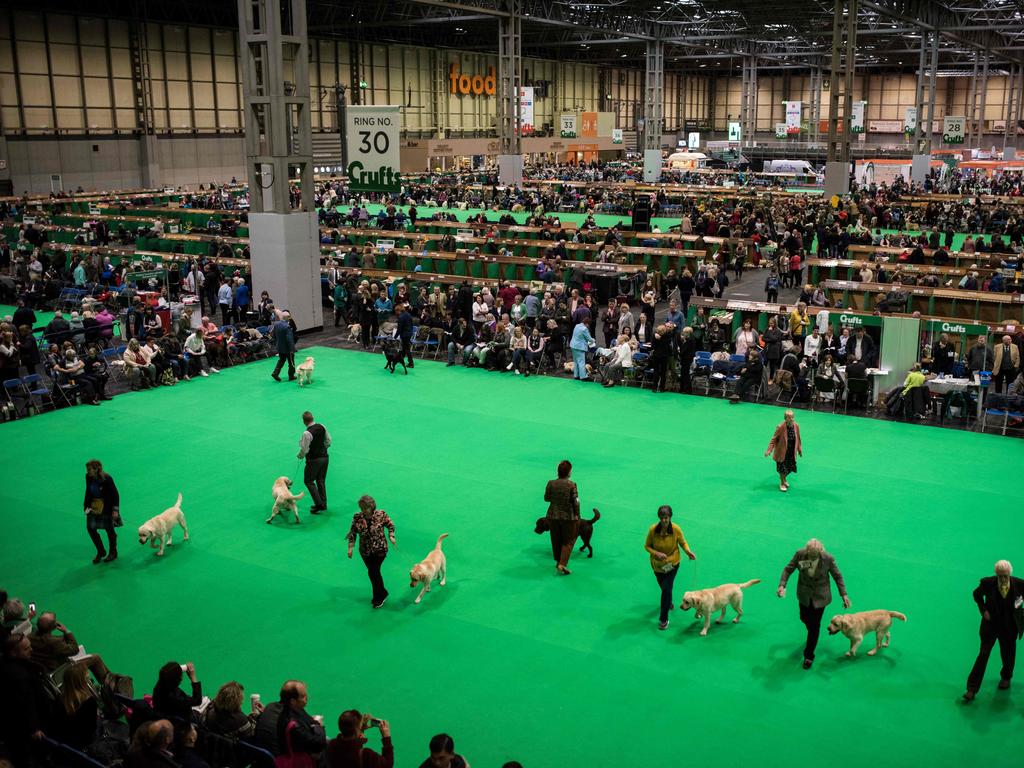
(371, 136)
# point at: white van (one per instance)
(687, 161)
(795, 167)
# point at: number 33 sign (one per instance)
(372, 140)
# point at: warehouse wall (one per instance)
(115, 162)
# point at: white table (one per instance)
(941, 386)
(873, 376)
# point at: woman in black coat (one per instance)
(169, 700)
(102, 509)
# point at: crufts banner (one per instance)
(953, 129)
(794, 111)
(857, 117)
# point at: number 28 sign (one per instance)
(953, 130)
(372, 140)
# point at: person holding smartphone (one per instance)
(348, 750)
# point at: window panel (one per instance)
(180, 118)
(98, 119)
(92, 32)
(64, 59)
(67, 91)
(205, 119)
(70, 119)
(94, 61)
(202, 69)
(119, 33)
(29, 26)
(35, 90)
(227, 96)
(228, 119)
(227, 71)
(177, 95)
(177, 66)
(32, 57)
(10, 117)
(202, 95)
(6, 56)
(124, 94)
(126, 119)
(97, 92)
(174, 38)
(8, 91)
(224, 43)
(199, 39)
(61, 28)
(38, 118)
(121, 62)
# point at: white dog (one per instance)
(708, 601)
(157, 530)
(284, 499)
(305, 371)
(856, 625)
(431, 567)
(355, 332)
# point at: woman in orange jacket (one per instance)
(784, 447)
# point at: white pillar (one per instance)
(285, 254)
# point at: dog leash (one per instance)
(694, 572)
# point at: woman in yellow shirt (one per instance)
(664, 540)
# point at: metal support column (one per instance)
(920, 162)
(748, 99)
(933, 78)
(1019, 114)
(510, 78)
(983, 87)
(439, 93)
(971, 112)
(654, 104)
(844, 54)
(283, 233)
(149, 161)
(1012, 87)
(815, 104)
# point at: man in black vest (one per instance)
(999, 600)
(313, 447)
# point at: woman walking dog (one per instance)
(369, 525)
(664, 540)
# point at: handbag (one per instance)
(96, 507)
(292, 759)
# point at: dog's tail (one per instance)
(178, 502)
(296, 498)
(897, 615)
(750, 583)
(440, 538)
(596, 517)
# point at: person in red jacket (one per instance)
(347, 750)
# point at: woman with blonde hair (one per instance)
(224, 715)
(784, 447)
(76, 714)
(138, 365)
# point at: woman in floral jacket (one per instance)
(369, 525)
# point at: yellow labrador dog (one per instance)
(708, 601)
(355, 333)
(433, 566)
(856, 625)
(284, 499)
(157, 530)
(305, 371)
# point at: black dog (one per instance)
(586, 530)
(393, 355)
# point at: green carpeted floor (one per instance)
(515, 662)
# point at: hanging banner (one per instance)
(780, 131)
(693, 141)
(910, 120)
(372, 139)
(953, 130)
(588, 128)
(568, 127)
(616, 135)
(956, 327)
(793, 115)
(526, 111)
(857, 117)
(735, 132)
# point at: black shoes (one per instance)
(275, 377)
(98, 558)
(110, 558)
(808, 663)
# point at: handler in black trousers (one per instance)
(373, 528)
(686, 348)
(1000, 600)
(313, 447)
(405, 331)
(102, 510)
(813, 589)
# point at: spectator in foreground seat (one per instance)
(23, 699)
(151, 746)
(53, 652)
(225, 716)
(76, 713)
(347, 750)
(288, 717)
(195, 348)
(168, 698)
(442, 754)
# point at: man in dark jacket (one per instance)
(24, 706)
(23, 315)
(284, 339)
(463, 336)
(405, 331)
(1000, 600)
(306, 735)
(686, 348)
